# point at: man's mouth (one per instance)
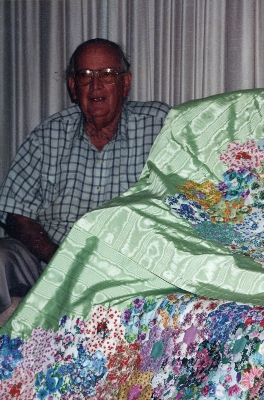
(97, 99)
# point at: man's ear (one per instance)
(71, 89)
(127, 83)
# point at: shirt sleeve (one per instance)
(20, 193)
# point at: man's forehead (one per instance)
(99, 53)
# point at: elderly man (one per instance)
(73, 162)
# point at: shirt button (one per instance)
(101, 161)
(98, 187)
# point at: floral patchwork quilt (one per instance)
(158, 294)
(181, 346)
(230, 212)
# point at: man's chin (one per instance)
(98, 109)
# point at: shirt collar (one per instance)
(122, 124)
(80, 131)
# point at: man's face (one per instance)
(99, 102)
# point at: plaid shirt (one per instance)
(58, 175)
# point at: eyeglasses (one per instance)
(106, 75)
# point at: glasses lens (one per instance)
(83, 77)
(107, 76)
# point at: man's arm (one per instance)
(32, 235)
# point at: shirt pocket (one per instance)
(49, 189)
(59, 189)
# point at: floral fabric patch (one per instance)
(177, 347)
(230, 212)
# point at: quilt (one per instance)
(159, 293)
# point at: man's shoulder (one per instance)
(68, 115)
(147, 108)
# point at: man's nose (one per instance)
(96, 83)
